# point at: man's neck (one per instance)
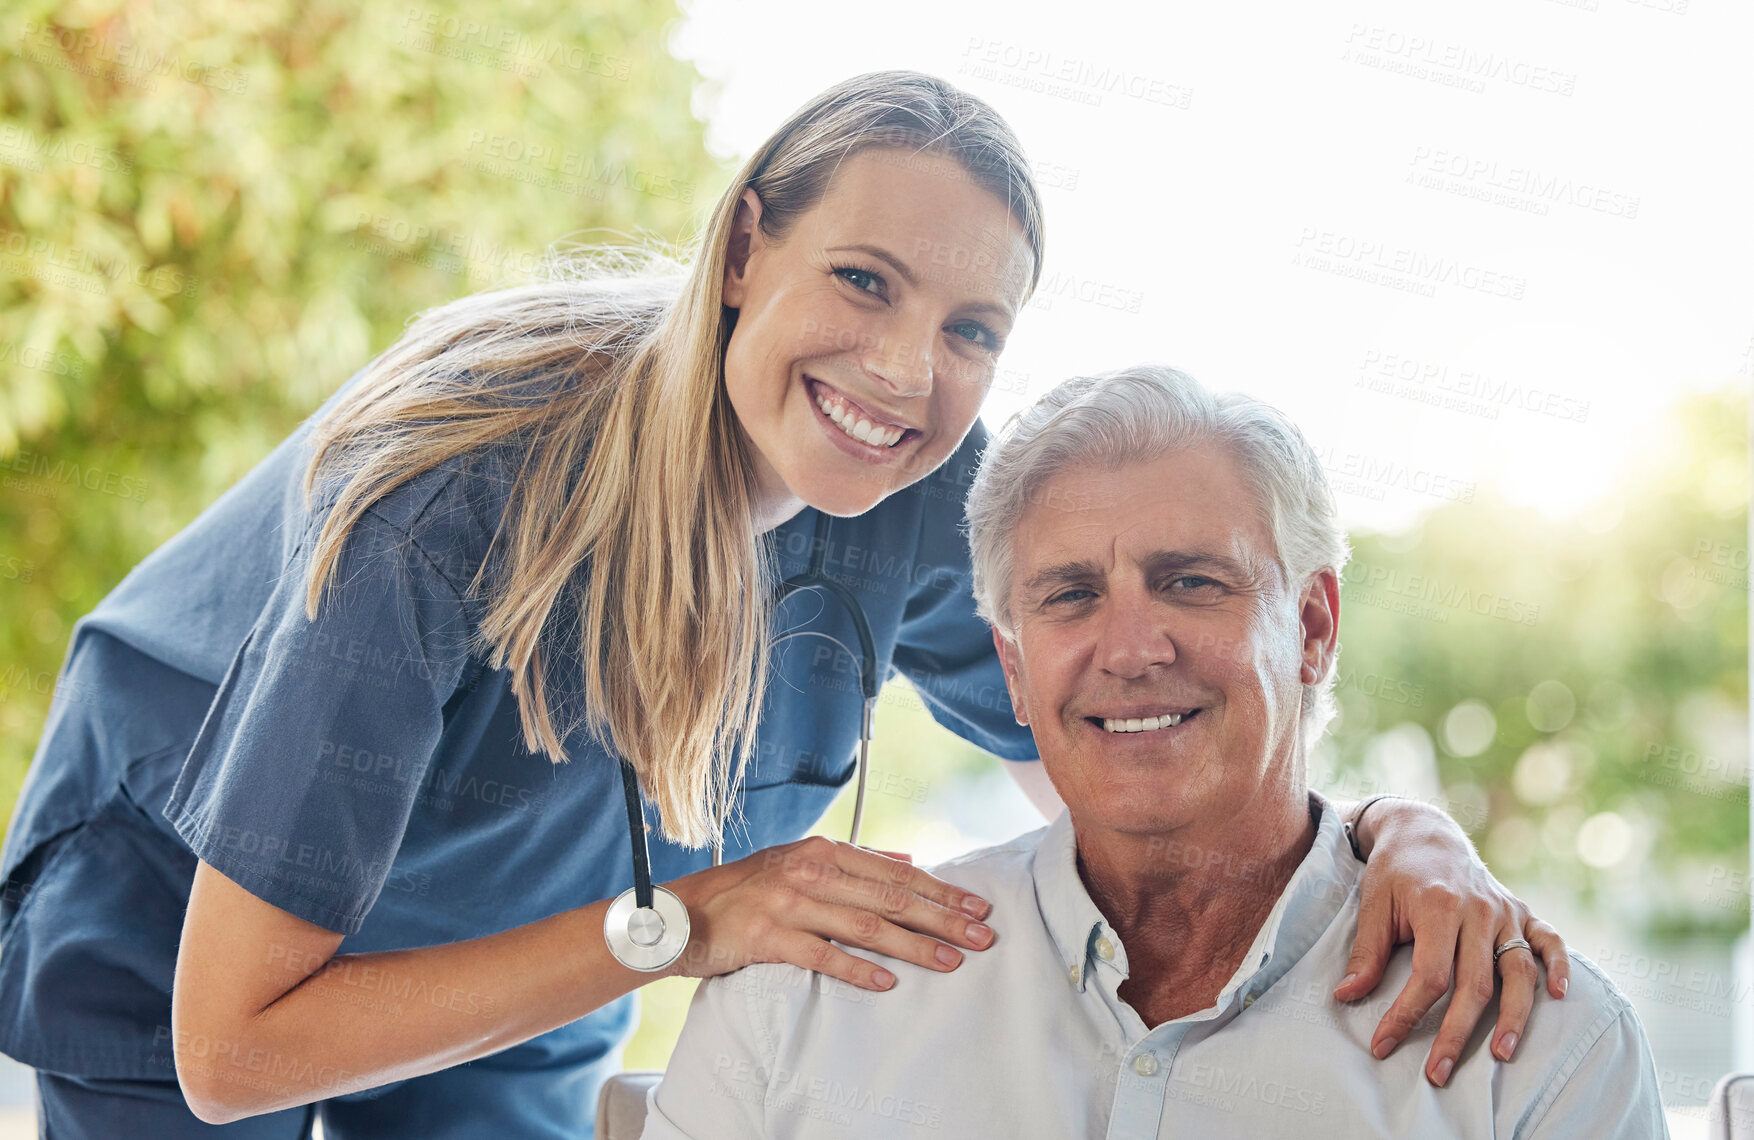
(1188, 904)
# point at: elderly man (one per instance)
(1161, 570)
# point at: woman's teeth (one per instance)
(1148, 724)
(860, 429)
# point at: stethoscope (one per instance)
(646, 927)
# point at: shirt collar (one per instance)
(1306, 906)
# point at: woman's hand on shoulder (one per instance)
(785, 904)
(1424, 884)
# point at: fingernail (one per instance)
(976, 907)
(1441, 1073)
(947, 956)
(1564, 984)
(1346, 981)
(1506, 1046)
(1384, 1047)
(979, 934)
(884, 979)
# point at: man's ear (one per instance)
(1009, 660)
(745, 239)
(1319, 613)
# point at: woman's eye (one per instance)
(976, 333)
(861, 279)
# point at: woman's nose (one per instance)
(903, 366)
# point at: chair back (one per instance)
(1731, 1111)
(621, 1106)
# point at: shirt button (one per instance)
(1145, 1065)
(1105, 949)
(1248, 1001)
(1073, 973)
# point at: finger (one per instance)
(813, 953)
(865, 930)
(867, 864)
(894, 891)
(1550, 947)
(1371, 948)
(1434, 955)
(1475, 985)
(1516, 997)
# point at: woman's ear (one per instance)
(745, 240)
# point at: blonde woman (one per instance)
(353, 736)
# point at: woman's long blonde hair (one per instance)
(629, 536)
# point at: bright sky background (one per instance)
(1274, 148)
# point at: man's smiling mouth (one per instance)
(1142, 724)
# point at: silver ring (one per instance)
(1513, 944)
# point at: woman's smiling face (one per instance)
(867, 337)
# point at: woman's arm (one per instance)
(264, 1016)
(1425, 883)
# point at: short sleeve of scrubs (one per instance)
(943, 646)
(300, 785)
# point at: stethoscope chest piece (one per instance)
(646, 938)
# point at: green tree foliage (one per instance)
(1602, 663)
(213, 213)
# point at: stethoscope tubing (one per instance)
(646, 927)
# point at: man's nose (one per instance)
(1133, 635)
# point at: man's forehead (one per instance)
(1190, 504)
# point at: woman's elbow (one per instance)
(206, 1065)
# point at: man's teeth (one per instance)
(1148, 724)
(860, 429)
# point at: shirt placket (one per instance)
(1148, 1055)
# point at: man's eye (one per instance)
(976, 333)
(1198, 582)
(1078, 594)
(861, 279)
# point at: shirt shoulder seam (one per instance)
(457, 592)
(1617, 1009)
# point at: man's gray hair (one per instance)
(1134, 415)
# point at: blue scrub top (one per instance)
(365, 771)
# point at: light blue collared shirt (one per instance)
(1031, 1038)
